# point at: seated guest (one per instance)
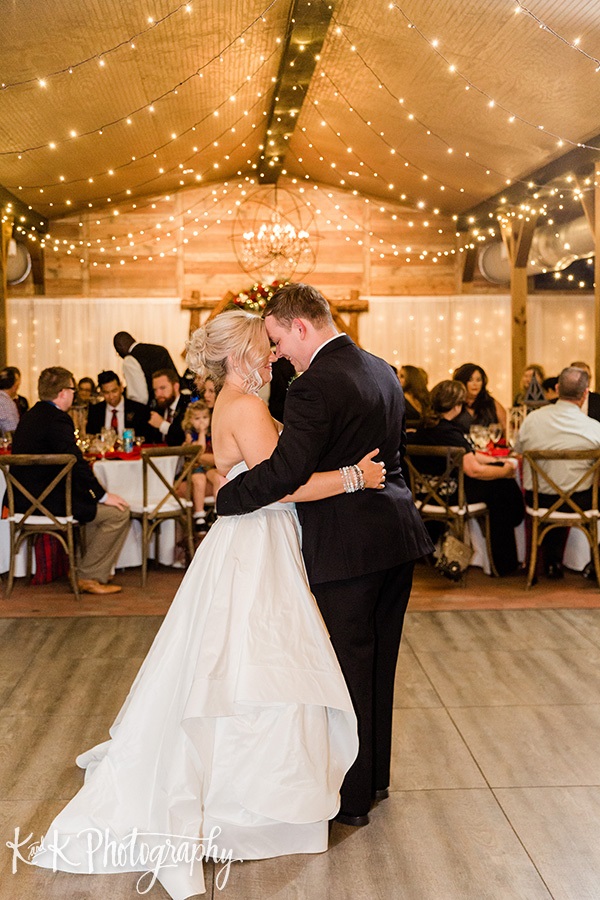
(116, 411)
(560, 426)
(47, 428)
(168, 408)
(416, 395)
(22, 403)
(196, 425)
(9, 414)
(550, 388)
(479, 407)
(209, 393)
(591, 405)
(86, 392)
(486, 479)
(531, 370)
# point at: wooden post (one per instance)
(7, 229)
(38, 271)
(469, 258)
(517, 234)
(596, 233)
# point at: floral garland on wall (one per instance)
(255, 298)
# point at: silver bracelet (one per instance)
(360, 477)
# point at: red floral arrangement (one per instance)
(255, 298)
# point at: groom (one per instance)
(359, 548)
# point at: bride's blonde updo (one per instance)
(236, 335)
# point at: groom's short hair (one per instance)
(299, 301)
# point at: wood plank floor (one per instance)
(431, 591)
(495, 790)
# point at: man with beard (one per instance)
(168, 408)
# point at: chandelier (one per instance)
(272, 236)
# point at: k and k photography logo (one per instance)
(98, 852)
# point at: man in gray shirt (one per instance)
(560, 426)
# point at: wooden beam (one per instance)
(574, 161)
(7, 230)
(307, 27)
(38, 270)
(517, 234)
(596, 234)
(469, 258)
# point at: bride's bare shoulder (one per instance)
(241, 408)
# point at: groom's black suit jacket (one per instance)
(347, 403)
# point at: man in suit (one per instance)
(168, 408)
(140, 361)
(359, 548)
(48, 428)
(116, 411)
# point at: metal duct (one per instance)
(552, 249)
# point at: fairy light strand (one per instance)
(573, 45)
(182, 133)
(68, 70)
(416, 120)
(53, 144)
(492, 102)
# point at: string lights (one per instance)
(146, 107)
(470, 85)
(573, 44)
(101, 56)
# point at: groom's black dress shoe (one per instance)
(355, 821)
(382, 794)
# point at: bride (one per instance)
(238, 729)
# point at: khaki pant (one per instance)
(104, 538)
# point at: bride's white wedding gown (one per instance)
(239, 718)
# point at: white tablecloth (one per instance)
(124, 477)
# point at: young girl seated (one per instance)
(196, 425)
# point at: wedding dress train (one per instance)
(237, 730)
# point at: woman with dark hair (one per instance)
(479, 407)
(415, 390)
(485, 476)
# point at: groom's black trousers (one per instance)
(364, 617)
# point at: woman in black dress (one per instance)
(487, 480)
(479, 407)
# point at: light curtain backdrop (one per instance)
(437, 333)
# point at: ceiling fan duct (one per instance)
(552, 249)
(18, 263)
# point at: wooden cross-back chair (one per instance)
(545, 518)
(38, 519)
(441, 497)
(166, 503)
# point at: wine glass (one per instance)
(495, 431)
(516, 417)
(139, 440)
(480, 436)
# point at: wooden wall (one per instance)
(95, 251)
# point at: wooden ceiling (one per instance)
(427, 104)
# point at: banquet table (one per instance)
(124, 477)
